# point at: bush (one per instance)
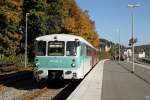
(18, 61)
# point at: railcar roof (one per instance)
(62, 37)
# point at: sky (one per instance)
(113, 15)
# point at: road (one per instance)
(120, 84)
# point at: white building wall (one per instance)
(141, 55)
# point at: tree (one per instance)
(45, 17)
(10, 18)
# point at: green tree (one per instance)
(45, 17)
(10, 18)
(37, 22)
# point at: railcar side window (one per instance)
(41, 48)
(56, 48)
(71, 48)
(88, 51)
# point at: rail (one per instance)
(36, 93)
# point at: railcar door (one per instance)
(93, 57)
(83, 59)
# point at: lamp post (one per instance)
(132, 39)
(119, 44)
(26, 39)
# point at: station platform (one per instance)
(109, 80)
(90, 87)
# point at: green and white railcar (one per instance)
(62, 56)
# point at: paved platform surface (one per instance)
(90, 88)
(112, 81)
(120, 84)
(141, 71)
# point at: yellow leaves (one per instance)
(69, 23)
(16, 3)
(14, 35)
(38, 13)
(13, 17)
(10, 14)
(64, 12)
(12, 11)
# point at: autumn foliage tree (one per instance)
(45, 17)
(76, 21)
(10, 19)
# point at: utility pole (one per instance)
(119, 45)
(132, 39)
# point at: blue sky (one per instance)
(110, 15)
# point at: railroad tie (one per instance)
(35, 94)
(1, 87)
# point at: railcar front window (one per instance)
(41, 48)
(56, 48)
(71, 48)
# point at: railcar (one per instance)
(63, 56)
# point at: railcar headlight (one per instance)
(37, 64)
(73, 65)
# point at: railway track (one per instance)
(7, 79)
(25, 88)
(4, 79)
(50, 92)
(2, 87)
(36, 93)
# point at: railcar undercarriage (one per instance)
(55, 74)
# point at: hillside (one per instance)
(145, 48)
(106, 42)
